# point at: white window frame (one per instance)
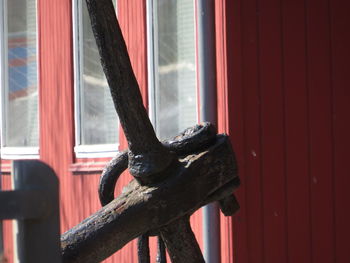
(13, 153)
(152, 52)
(81, 150)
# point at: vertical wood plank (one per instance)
(296, 120)
(221, 65)
(56, 96)
(251, 179)
(320, 123)
(7, 225)
(340, 24)
(226, 234)
(231, 57)
(272, 131)
(221, 22)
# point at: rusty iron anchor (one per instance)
(172, 179)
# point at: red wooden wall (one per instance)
(78, 177)
(283, 96)
(289, 105)
(223, 103)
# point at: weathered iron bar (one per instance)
(143, 249)
(147, 156)
(193, 181)
(161, 252)
(181, 242)
(109, 177)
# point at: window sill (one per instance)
(96, 151)
(18, 153)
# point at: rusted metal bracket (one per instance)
(172, 179)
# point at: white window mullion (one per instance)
(152, 63)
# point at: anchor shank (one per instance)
(147, 156)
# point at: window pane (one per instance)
(175, 94)
(21, 82)
(99, 123)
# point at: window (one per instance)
(172, 64)
(96, 118)
(19, 78)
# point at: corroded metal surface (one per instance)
(189, 141)
(195, 180)
(173, 178)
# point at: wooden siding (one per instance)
(7, 224)
(226, 223)
(283, 97)
(288, 96)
